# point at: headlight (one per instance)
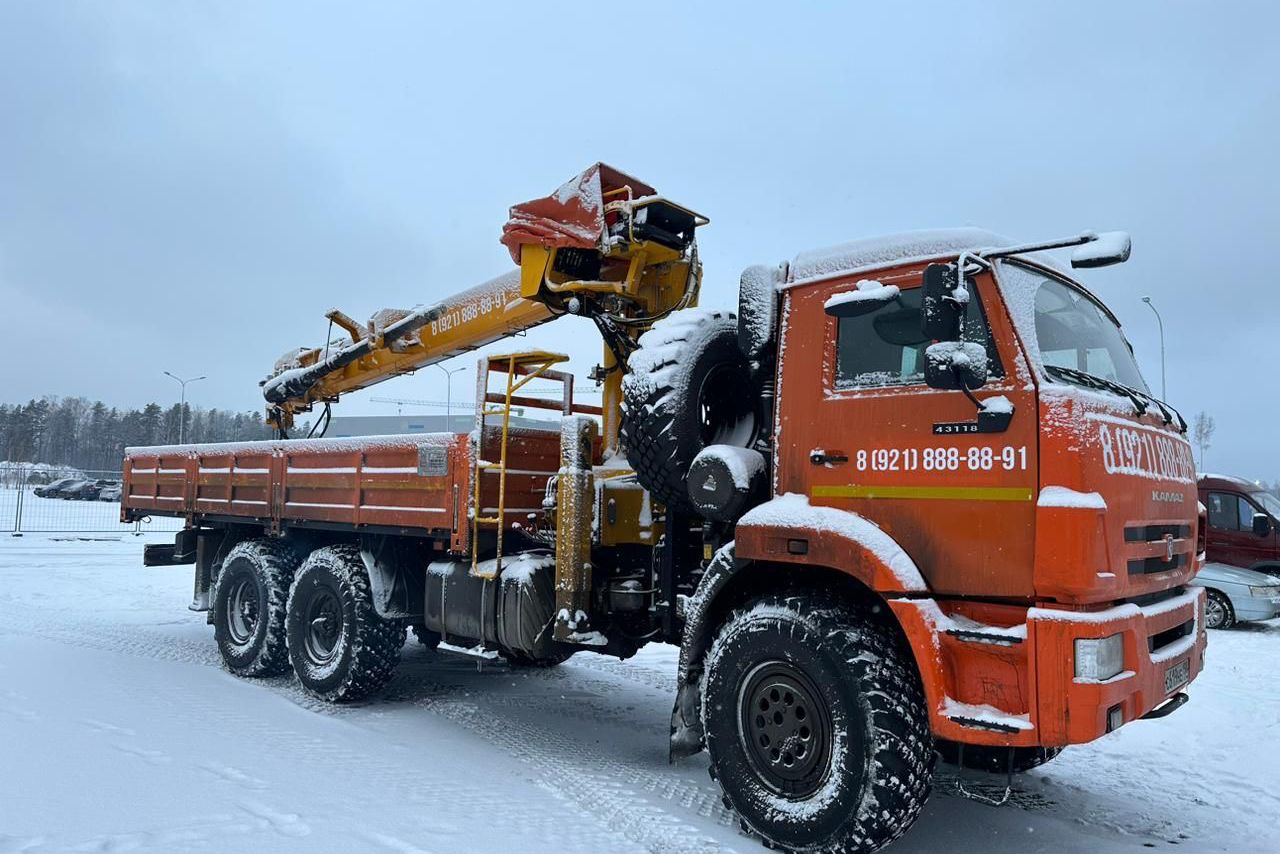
(1266, 591)
(1098, 659)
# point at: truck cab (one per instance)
(1053, 502)
(1243, 523)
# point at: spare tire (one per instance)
(688, 386)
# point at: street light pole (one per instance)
(448, 394)
(182, 402)
(1164, 394)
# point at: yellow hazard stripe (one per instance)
(945, 493)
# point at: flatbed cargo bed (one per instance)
(419, 483)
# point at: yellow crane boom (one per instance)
(604, 246)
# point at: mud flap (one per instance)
(686, 720)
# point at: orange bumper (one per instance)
(1006, 676)
(1164, 647)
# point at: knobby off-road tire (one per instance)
(249, 600)
(688, 386)
(995, 760)
(816, 724)
(1218, 613)
(340, 648)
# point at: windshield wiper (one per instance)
(1091, 381)
(1138, 398)
(1167, 411)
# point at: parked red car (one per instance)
(1244, 523)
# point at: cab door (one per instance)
(1230, 537)
(858, 429)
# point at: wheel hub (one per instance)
(786, 728)
(324, 627)
(242, 611)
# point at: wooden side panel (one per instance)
(160, 482)
(533, 457)
(419, 483)
(402, 486)
(233, 484)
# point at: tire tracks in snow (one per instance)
(613, 791)
(400, 779)
(497, 716)
(138, 641)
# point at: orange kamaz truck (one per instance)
(911, 501)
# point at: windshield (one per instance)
(1269, 503)
(1066, 328)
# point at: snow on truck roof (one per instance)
(872, 252)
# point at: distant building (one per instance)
(395, 425)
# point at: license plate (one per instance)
(1177, 676)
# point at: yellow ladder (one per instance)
(520, 370)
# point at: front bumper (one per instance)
(1015, 685)
(1157, 639)
(1250, 608)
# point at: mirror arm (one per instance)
(1004, 251)
(988, 422)
(978, 259)
(964, 388)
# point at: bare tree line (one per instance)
(84, 434)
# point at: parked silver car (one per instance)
(1237, 595)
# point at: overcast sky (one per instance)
(190, 186)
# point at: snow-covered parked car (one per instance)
(87, 490)
(68, 491)
(1237, 595)
(54, 490)
(110, 493)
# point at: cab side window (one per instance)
(1246, 514)
(886, 348)
(1228, 513)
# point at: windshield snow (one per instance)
(1066, 328)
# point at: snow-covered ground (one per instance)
(120, 732)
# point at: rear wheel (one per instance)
(816, 724)
(340, 647)
(249, 599)
(1218, 613)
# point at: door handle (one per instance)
(822, 458)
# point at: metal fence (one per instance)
(80, 502)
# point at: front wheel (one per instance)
(1218, 613)
(816, 724)
(340, 647)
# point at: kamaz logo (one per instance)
(1165, 497)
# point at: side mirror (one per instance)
(1261, 525)
(955, 365)
(942, 303)
(1107, 248)
(867, 297)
